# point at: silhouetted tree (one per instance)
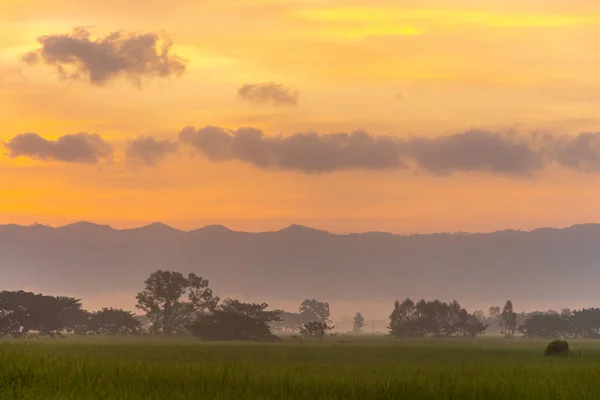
(358, 323)
(509, 320)
(584, 324)
(112, 321)
(315, 329)
(402, 319)
(313, 310)
(234, 320)
(473, 326)
(163, 300)
(22, 312)
(549, 325)
(252, 310)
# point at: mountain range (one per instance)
(545, 265)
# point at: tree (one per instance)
(473, 326)
(509, 320)
(252, 310)
(549, 325)
(289, 322)
(112, 321)
(22, 312)
(163, 300)
(315, 329)
(358, 323)
(234, 320)
(493, 312)
(313, 310)
(584, 324)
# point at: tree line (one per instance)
(176, 304)
(173, 304)
(432, 318)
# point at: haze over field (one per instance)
(367, 272)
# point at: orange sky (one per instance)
(405, 68)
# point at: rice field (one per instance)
(357, 368)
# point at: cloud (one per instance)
(312, 153)
(271, 92)
(581, 152)
(77, 148)
(148, 150)
(133, 56)
(472, 151)
(305, 152)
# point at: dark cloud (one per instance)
(135, 56)
(305, 152)
(148, 150)
(270, 92)
(313, 153)
(472, 151)
(77, 148)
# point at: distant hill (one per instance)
(554, 265)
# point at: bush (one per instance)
(557, 348)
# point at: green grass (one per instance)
(362, 368)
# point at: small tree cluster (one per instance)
(234, 320)
(315, 329)
(583, 324)
(22, 313)
(432, 318)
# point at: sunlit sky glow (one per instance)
(402, 69)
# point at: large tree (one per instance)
(313, 310)
(171, 300)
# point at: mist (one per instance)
(362, 272)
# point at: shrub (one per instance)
(557, 348)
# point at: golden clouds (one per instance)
(459, 64)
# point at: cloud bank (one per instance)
(312, 153)
(78, 148)
(269, 93)
(134, 56)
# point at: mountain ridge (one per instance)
(293, 227)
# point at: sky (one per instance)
(345, 115)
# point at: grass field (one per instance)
(361, 368)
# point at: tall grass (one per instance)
(360, 369)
